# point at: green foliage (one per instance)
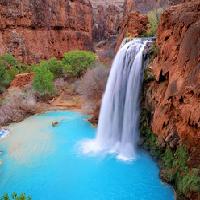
(74, 63)
(153, 18)
(190, 182)
(9, 67)
(77, 62)
(169, 175)
(43, 81)
(168, 158)
(9, 60)
(180, 159)
(13, 65)
(150, 140)
(8, 70)
(15, 196)
(55, 67)
(173, 162)
(4, 77)
(177, 171)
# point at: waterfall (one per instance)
(118, 127)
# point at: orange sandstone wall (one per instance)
(175, 95)
(38, 29)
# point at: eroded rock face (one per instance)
(38, 29)
(175, 95)
(134, 24)
(22, 80)
(145, 6)
(108, 16)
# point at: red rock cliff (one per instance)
(38, 29)
(135, 21)
(175, 95)
(108, 15)
(134, 24)
(144, 6)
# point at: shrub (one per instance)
(77, 62)
(9, 60)
(17, 104)
(4, 77)
(181, 156)
(150, 139)
(9, 67)
(168, 158)
(186, 180)
(15, 196)
(12, 65)
(174, 163)
(43, 81)
(153, 18)
(55, 67)
(93, 83)
(190, 182)
(7, 70)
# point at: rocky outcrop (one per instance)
(38, 29)
(22, 80)
(145, 6)
(174, 97)
(134, 24)
(108, 15)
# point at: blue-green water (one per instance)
(45, 163)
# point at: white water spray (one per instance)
(118, 127)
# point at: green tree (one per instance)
(43, 81)
(77, 62)
(53, 65)
(9, 67)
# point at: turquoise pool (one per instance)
(45, 163)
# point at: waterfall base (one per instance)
(122, 152)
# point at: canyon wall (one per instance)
(174, 97)
(134, 24)
(144, 6)
(108, 16)
(135, 19)
(38, 29)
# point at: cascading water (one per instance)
(118, 127)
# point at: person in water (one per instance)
(54, 123)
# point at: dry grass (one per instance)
(93, 83)
(16, 105)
